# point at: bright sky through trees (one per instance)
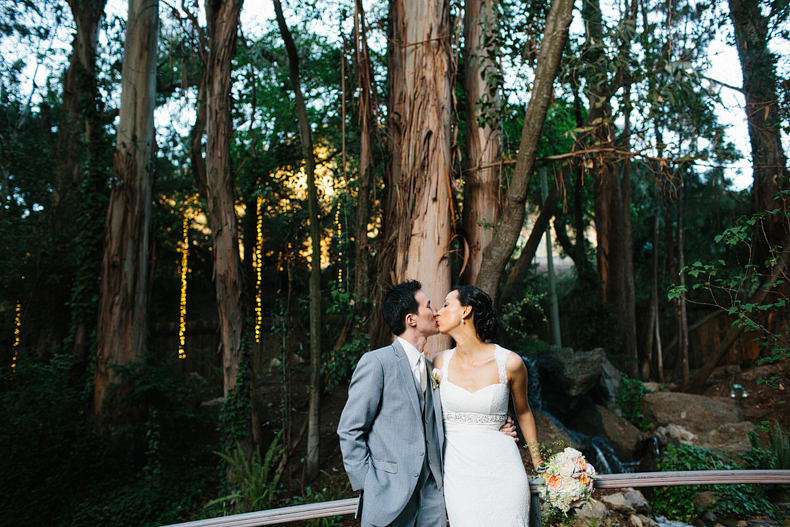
(44, 61)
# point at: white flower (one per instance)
(567, 481)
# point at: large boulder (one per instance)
(696, 413)
(597, 420)
(551, 431)
(566, 377)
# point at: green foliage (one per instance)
(775, 455)
(58, 471)
(236, 408)
(629, 399)
(253, 482)
(732, 501)
(524, 317)
(338, 365)
(335, 490)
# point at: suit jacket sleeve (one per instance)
(364, 398)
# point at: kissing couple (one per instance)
(426, 441)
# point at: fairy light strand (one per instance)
(17, 334)
(182, 321)
(339, 245)
(258, 263)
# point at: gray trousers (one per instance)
(425, 508)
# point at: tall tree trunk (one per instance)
(497, 253)
(482, 164)
(79, 117)
(628, 319)
(123, 304)
(611, 184)
(682, 365)
(418, 212)
(79, 138)
(652, 318)
(314, 429)
(769, 163)
(367, 126)
(222, 17)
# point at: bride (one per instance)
(484, 478)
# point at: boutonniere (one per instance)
(436, 378)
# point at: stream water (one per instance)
(595, 448)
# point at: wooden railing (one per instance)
(603, 481)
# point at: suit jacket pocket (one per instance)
(386, 466)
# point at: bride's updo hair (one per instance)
(482, 307)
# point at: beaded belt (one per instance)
(470, 417)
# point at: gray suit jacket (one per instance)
(382, 436)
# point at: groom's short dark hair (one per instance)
(398, 302)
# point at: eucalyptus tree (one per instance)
(314, 429)
(122, 331)
(483, 169)
(755, 23)
(418, 216)
(222, 18)
(497, 253)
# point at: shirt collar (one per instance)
(410, 350)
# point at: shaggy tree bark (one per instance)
(758, 66)
(313, 430)
(418, 214)
(498, 252)
(367, 125)
(79, 133)
(125, 288)
(482, 164)
(223, 20)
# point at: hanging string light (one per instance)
(17, 333)
(339, 245)
(182, 320)
(258, 263)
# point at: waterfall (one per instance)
(595, 448)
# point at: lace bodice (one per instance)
(487, 405)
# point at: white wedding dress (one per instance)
(485, 483)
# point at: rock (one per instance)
(608, 385)
(635, 521)
(592, 514)
(637, 501)
(760, 372)
(708, 517)
(550, 431)
(596, 420)
(653, 386)
(675, 435)
(567, 376)
(619, 504)
(729, 438)
(646, 521)
(704, 500)
(695, 413)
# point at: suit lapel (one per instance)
(407, 379)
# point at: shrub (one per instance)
(629, 399)
(732, 501)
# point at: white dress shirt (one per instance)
(417, 361)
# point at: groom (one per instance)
(391, 432)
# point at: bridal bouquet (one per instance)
(567, 480)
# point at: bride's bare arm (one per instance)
(518, 380)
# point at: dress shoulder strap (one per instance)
(500, 354)
(447, 355)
